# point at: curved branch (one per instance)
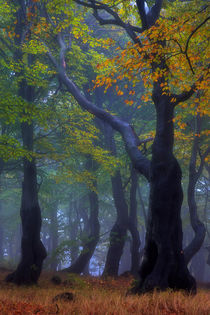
(131, 140)
(140, 162)
(114, 20)
(184, 96)
(193, 32)
(188, 41)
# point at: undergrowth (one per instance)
(94, 296)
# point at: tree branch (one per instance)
(115, 20)
(183, 96)
(131, 140)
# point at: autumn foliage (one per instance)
(179, 38)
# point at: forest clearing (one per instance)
(96, 296)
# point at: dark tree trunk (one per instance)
(89, 247)
(136, 243)
(117, 242)
(16, 243)
(119, 230)
(32, 250)
(163, 262)
(86, 270)
(198, 226)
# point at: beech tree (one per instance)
(163, 262)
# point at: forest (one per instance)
(104, 157)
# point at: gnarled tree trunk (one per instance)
(163, 263)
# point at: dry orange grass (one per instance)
(96, 297)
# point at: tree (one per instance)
(32, 250)
(163, 263)
(194, 174)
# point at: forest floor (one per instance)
(95, 296)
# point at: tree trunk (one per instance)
(136, 243)
(197, 225)
(119, 230)
(32, 250)
(89, 247)
(86, 270)
(163, 264)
